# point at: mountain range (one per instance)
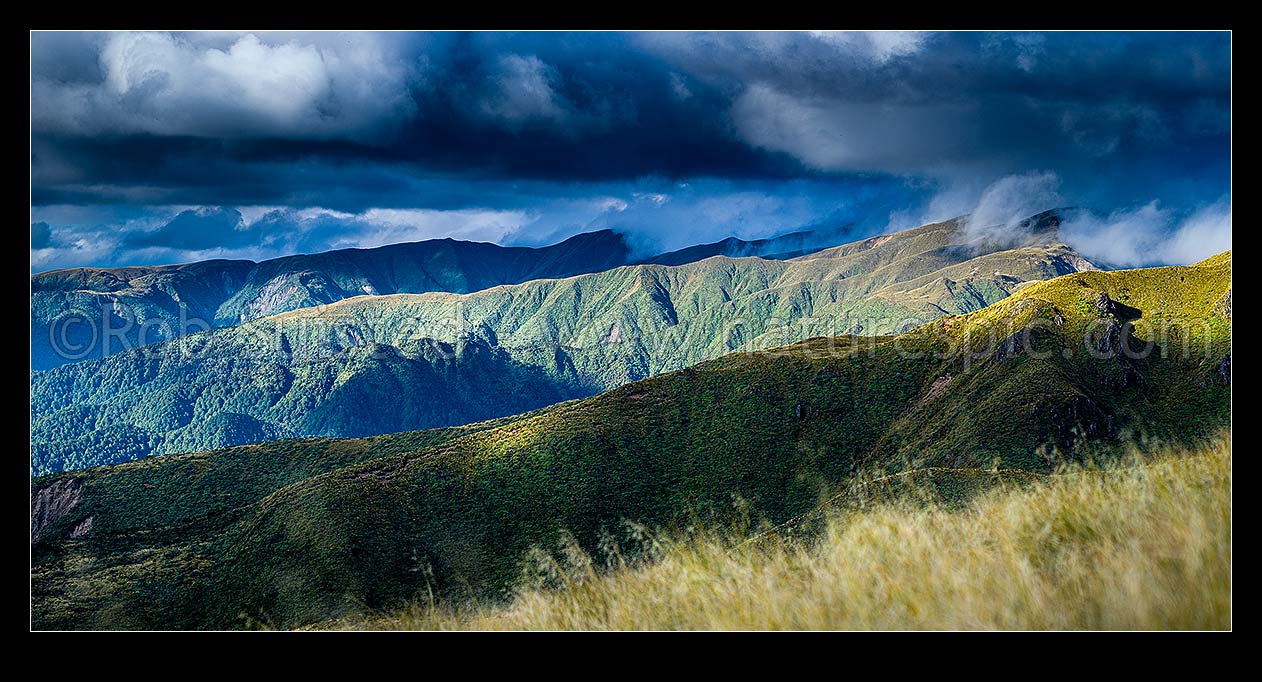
(294, 532)
(147, 301)
(89, 313)
(384, 363)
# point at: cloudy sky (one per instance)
(170, 147)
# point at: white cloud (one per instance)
(833, 134)
(1005, 203)
(41, 258)
(1125, 237)
(1151, 235)
(1145, 235)
(1205, 233)
(779, 122)
(523, 92)
(879, 46)
(281, 82)
(308, 214)
(252, 214)
(230, 85)
(656, 197)
(608, 204)
(392, 225)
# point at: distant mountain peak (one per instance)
(781, 247)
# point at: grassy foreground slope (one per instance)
(440, 359)
(1023, 384)
(1144, 546)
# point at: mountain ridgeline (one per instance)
(295, 532)
(380, 364)
(783, 247)
(89, 313)
(143, 304)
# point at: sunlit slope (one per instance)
(1157, 557)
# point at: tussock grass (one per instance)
(1145, 544)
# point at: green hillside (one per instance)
(1036, 378)
(143, 305)
(72, 309)
(1015, 557)
(380, 364)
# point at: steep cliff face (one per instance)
(52, 502)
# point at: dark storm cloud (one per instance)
(961, 105)
(525, 122)
(197, 230)
(154, 170)
(68, 58)
(41, 235)
(582, 107)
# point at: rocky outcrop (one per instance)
(1223, 307)
(1106, 338)
(1012, 346)
(1071, 262)
(1108, 306)
(1080, 418)
(937, 388)
(52, 502)
(82, 528)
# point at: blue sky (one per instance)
(171, 147)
